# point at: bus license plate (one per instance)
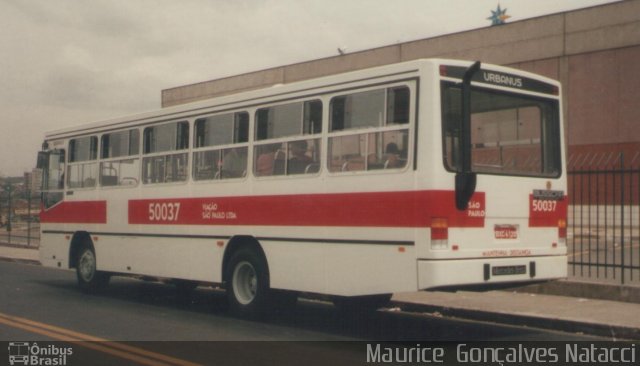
(508, 270)
(505, 231)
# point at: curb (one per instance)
(21, 260)
(571, 326)
(19, 246)
(587, 290)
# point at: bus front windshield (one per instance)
(511, 134)
(53, 169)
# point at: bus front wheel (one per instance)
(247, 284)
(89, 278)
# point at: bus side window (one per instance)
(384, 110)
(221, 143)
(120, 163)
(289, 122)
(82, 171)
(167, 164)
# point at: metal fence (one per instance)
(604, 219)
(19, 224)
(22, 233)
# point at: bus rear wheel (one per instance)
(89, 278)
(247, 284)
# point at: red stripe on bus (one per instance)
(376, 209)
(76, 212)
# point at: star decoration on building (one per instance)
(498, 16)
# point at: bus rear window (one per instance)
(510, 134)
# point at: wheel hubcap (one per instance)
(87, 265)
(245, 283)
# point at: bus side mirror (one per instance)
(43, 160)
(465, 186)
(465, 177)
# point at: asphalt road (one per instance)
(135, 319)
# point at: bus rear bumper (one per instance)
(487, 271)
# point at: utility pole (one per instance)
(28, 216)
(8, 188)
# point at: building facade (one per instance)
(594, 52)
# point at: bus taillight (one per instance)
(562, 230)
(439, 233)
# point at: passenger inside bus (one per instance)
(391, 157)
(299, 160)
(266, 159)
(234, 163)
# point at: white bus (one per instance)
(418, 175)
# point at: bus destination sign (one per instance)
(503, 79)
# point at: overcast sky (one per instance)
(68, 62)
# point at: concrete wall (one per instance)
(594, 52)
(604, 96)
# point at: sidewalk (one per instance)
(17, 253)
(537, 306)
(605, 318)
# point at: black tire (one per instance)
(361, 304)
(89, 278)
(247, 284)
